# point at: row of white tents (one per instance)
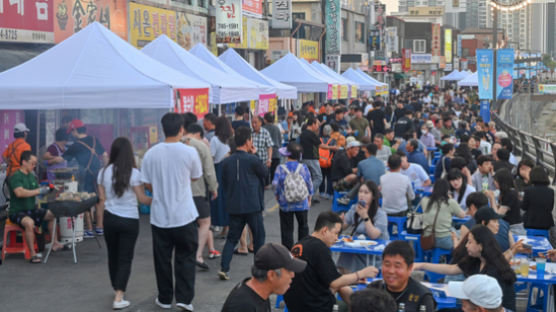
(463, 78)
(95, 68)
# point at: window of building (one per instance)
(419, 46)
(345, 29)
(359, 32)
(299, 15)
(202, 3)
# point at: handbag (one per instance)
(414, 223)
(428, 241)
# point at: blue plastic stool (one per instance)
(432, 168)
(433, 256)
(540, 299)
(414, 239)
(400, 226)
(534, 232)
(338, 208)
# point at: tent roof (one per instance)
(290, 70)
(200, 51)
(451, 75)
(93, 68)
(337, 80)
(461, 75)
(329, 71)
(471, 80)
(225, 88)
(364, 84)
(231, 58)
(367, 76)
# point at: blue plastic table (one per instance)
(539, 243)
(375, 250)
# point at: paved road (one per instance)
(63, 286)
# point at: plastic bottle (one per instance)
(401, 307)
(422, 308)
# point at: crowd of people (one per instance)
(208, 180)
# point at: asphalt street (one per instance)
(63, 286)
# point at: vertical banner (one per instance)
(281, 14)
(329, 93)
(504, 70)
(485, 110)
(264, 103)
(335, 91)
(333, 27)
(406, 60)
(192, 101)
(353, 91)
(448, 45)
(147, 22)
(436, 40)
(343, 92)
(485, 72)
(229, 21)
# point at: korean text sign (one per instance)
(485, 68)
(448, 45)
(333, 27)
(192, 101)
(504, 70)
(146, 23)
(281, 14)
(229, 21)
(26, 21)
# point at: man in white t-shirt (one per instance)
(167, 170)
(396, 189)
(415, 172)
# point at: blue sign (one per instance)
(485, 110)
(504, 71)
(485, 71)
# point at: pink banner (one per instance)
(330, 92)
(264, 100)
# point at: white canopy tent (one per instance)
(364, 84)
(231, 58)
(94, 68)
(330, 72)
(367, 76)
(290, 70)
(225, 88)
(451, 76)
(337, 80)
(461, 75)
(470, 81)
(200, 51)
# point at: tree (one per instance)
(549, 62)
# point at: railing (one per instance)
(529, 146)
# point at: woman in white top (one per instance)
(459, 189)
(219, 149)
(119, 187)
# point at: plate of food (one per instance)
(360, 243)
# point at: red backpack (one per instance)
(325, 155)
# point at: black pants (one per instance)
(273, 165)
(237, 223)
(120, 235)
(286, 226)
(183, 242)
(326, 187)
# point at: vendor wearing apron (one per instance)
(53, 156)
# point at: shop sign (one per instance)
(333, 61)
(308, 50)
(228, 21)
(406, 60)
(547, 88)
(281, 14)
(192, 29)
(26, 21)
(448, 45)
(146, 23)
(421, 58)
(192, 101)
(436, 40)
(333, 27)
(265, 105)
(252, 8)
(73, 15)
(254, 34)
(343, 91)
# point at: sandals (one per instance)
(36, 259)
(237, 252)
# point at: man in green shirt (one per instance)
(23, 211)
(359, 125)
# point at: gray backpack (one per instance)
(295, 188)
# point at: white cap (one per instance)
(353, 144)
(482, 290)
(21, 127)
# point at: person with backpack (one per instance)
(325, 161)
(293, 189)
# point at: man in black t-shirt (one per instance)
(272, 274)
(377, 118)
(397, 265)
(404, 125)
(314, 288)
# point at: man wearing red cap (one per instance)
(91, 156)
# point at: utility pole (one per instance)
(494, 43)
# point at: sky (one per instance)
(391, 6)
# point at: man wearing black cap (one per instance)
(404, 125)
(272, 274)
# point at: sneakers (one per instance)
(224, 275)
(213, 254)
(344, 201)
(117, 305)
(162, 305)
(88, 234)
(99, 231)
(185, 307)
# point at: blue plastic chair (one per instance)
(433, 256)
(538, 302)
(338, 208)
(414, 239)
(399, 222)
(535, 232)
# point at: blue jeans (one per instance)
(444, 242)
(316, 173)
(237, 223)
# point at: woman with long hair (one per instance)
(538, 201)
(459, 187)
(364, 218)
(483, 257)
(440, 203)
(521, 180)
(119, 188)
(220, 149)
(507, 202)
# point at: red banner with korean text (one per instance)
(26, 21)
(406, 60)
(252, 7)
(192, 101)
(70, 16)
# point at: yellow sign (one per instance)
(343, 92)
(272, 105)
(153, 135)
(353, 91)
(308, 50)
(146, 23)
(335, 92)
(253, 106)
(255, 35)
(426, 11)
(448, 45)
